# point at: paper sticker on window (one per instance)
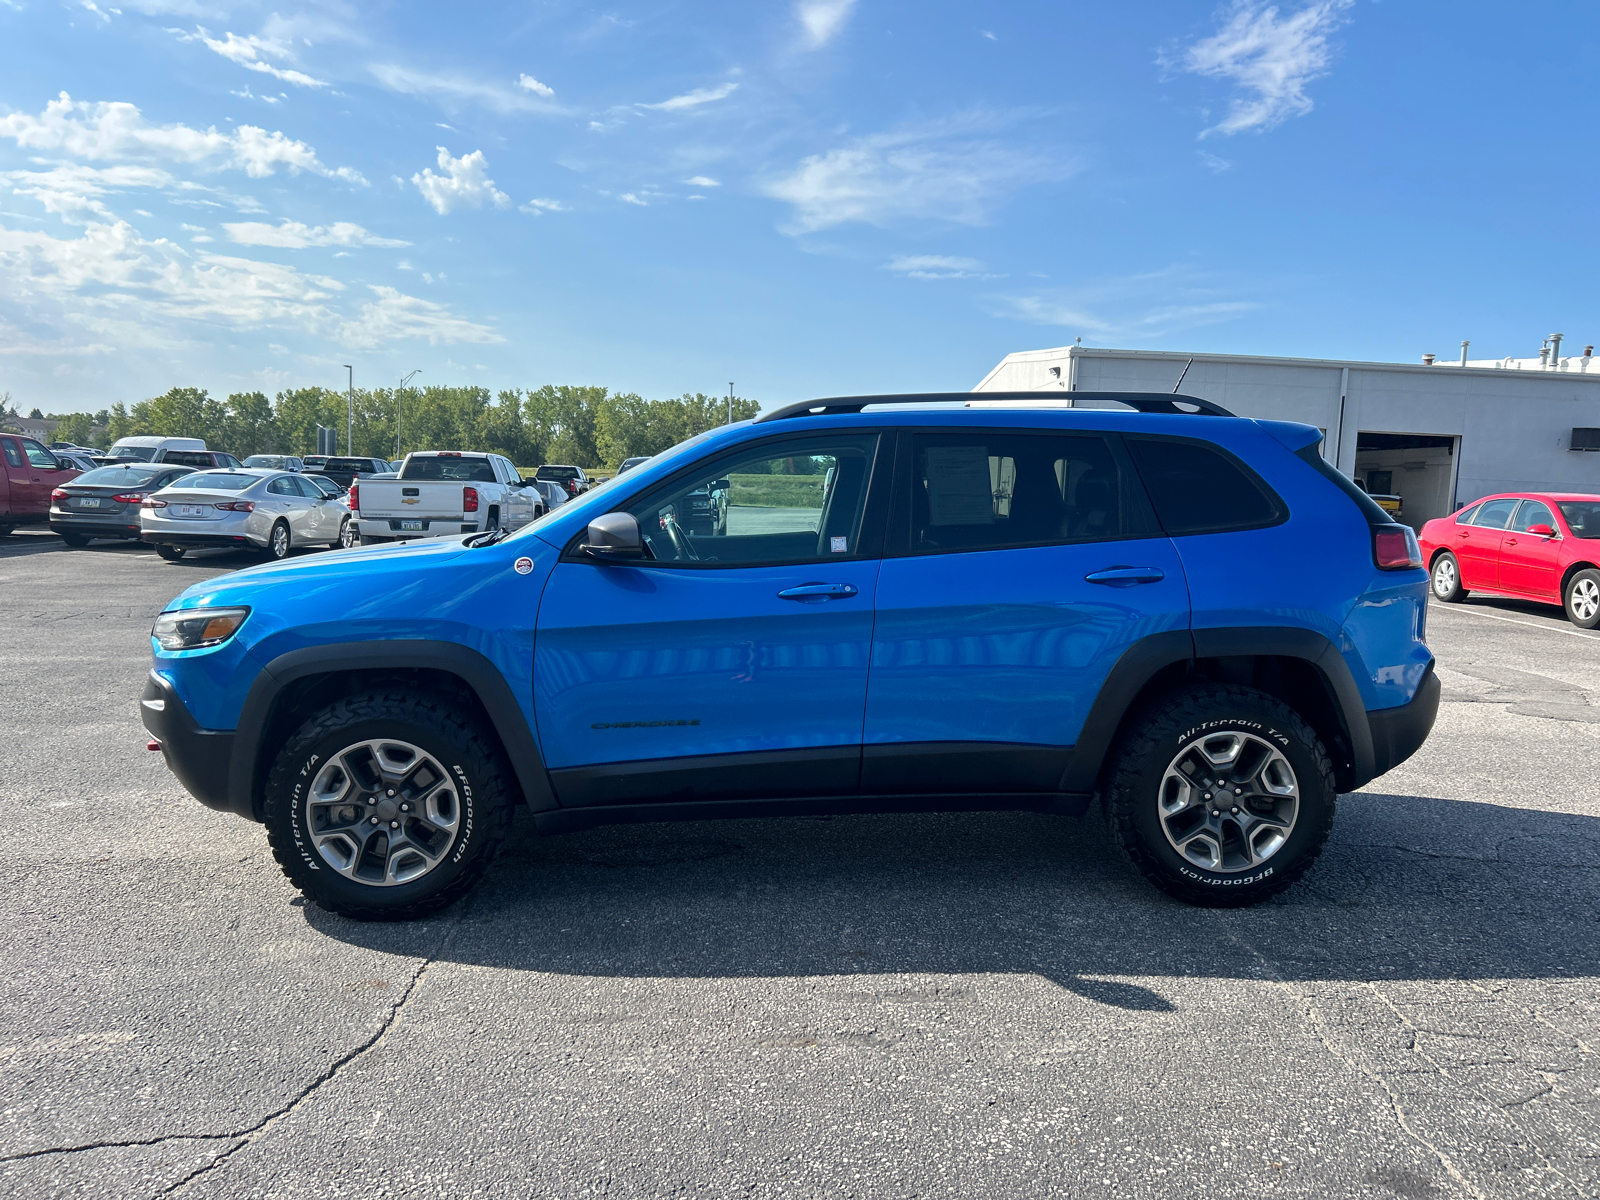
(839, 545)
(960, 491)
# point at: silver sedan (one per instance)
(272, 512)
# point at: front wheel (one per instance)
(386, 806)
(1447, 579)
(1582, 600)
(1221, 796)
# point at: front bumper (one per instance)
(1398, 732)
(198, 757)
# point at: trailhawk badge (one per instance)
(523, 566)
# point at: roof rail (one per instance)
(1145, 402)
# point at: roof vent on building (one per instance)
(1584, 439)
(1427, 360)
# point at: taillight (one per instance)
(152, 502)
(129, 497)
(355, 497)
(58, 494)
(1394, 548)
(236, 506)
(469, 499)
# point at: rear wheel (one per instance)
(1447, 579)
(170, 553)
(76, 540)
(386, 806)
(1221, 796)
(347, 534)
(277, 543)
(1582, 600)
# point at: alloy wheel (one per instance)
(279, 545)
(1444, 577)
(1228, 801)
(1584, 599)
(383, 812)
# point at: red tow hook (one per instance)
(152, 744)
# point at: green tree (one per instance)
(249, 426)
(561, 419)
(299, 412)
(185, 412)
(74, 427)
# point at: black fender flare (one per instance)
(1144, 659)
(247, 774)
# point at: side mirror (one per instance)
(1541, 531)
(614, 537)
(721, 484)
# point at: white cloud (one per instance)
(695, 98)
(822, 19)
(73, 191)
(1150, 305)
(117, 130)
(292, 235)
(1215, 164)
(630, 198)
(986, 33)
(539, 207)
(247, 94)
(529, 84)
(1271, 58)
(701, 181)
(460, 89)
(248, 52)
(935, 266)
(916, 174)
(464, 184)
(394, 317)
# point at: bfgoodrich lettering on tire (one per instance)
(386, 806)
(1221, 796)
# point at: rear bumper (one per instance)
(390, 527)
(200, 541)
(1398, 732)
(107, 527)
(198, 757)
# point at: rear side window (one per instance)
(1198, 488)
(13, 455)
(1464, 517)
(451, 470)
(1496, 514)
(998, 489)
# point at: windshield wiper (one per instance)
(487, 539)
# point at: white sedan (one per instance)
(268, 511)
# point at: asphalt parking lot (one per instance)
(963, 1005)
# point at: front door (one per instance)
(732, 663)
(1020, 565)
(1477, 546)
(1530, 563)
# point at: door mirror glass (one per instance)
(614, 536)
(1541, 531)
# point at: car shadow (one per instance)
(1410, 887)
(1511, 604)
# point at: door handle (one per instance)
(1511, 541)
(1126, 576)
(825, 590)
(1463, 533)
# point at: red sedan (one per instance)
(1535, 545)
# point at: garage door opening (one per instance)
(1411, 474)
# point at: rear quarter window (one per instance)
(1197, 487)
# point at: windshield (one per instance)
(275, 461)
(118, 476)
(1583, 517)
(142, 453)
(454, 470)
(215, 481)
(561, 473)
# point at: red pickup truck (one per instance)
(28, 474)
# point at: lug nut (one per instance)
(1236, 812)
(1236, 792)
(1207, 796)
(372, 799)
(391, 791)
(405, 808)
(396, 824)
(374, 820)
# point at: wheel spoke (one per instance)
(1228, 801)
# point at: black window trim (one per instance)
(1469, 514)
(1279, 504)
(869, 542)
(1138, 518)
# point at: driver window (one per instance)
(1532, 513)
(798, 500)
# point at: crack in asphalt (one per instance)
(252, 1133)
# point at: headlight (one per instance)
(197, 628)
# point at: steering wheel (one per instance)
(681, 546)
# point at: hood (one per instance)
(315, 570)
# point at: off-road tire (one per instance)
(277, 549)
(1154, 739)
(1576, 606)
(170, 553)
(76, 540)
(476, 768)
(1444, 578)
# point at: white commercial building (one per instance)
(1437, 435)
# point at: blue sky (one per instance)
(806, 197)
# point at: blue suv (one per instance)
(913, 603)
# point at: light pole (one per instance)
(350, 401)
(730, 402)
(402, 388)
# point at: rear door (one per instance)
(1020, 565)
(1477, 546)
(284, 500)
(1531, 563)
(726, 666)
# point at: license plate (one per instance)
(410, 526)
(89, 503)
(192, 510)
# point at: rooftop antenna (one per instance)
(1179, 384)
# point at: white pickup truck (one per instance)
(443, 492)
